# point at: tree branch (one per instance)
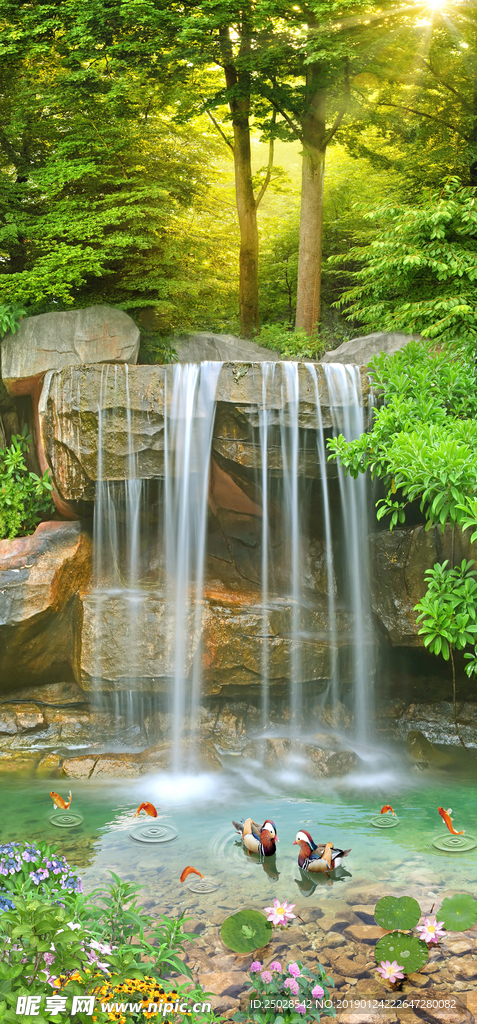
(340, 116)
(219, 129)
(422, 113)
(447, 85)
(266, 180)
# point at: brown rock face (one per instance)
(132, 403)
(98, 334)
(400, 560)
(39, 579)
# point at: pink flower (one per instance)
(300, 1008)
(432, 930)
(294, 969)
(317, 992)
(292, 985)
(266, 976)
(280, 913)
(391, 971)
(275, 966)
(256, 966)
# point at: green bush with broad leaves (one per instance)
(419, 275)
(56, 940)
(10, 317)
(423, 441)
(25, 498)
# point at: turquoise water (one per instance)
(201, 808)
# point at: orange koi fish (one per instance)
(148, 808)
(386, 808)
(59, 802)
(190, 871)
(446, 816)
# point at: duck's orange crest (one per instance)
(190, 871)
(148, 808)
(59, 802)
(387, 808)
(446, 816)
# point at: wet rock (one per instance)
(400, 559)
(49, 763)
(435, 723)
(350, 968)
(366, 1016)
(78, 767)
(8, 723)
(315, 761)
(29, 719)
(117, 766)
(432, 1013)
(133, 420)
(463, 967)
(51, 341)
(39, 579)
(366, 913)
(459, 946)
(322, 764)
(196, 346)
(421, 749)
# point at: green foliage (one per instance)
(458, 912)
(401, 912)
(278, 1002)
(25, 498)
(419, 276)
(448, 610)
(423, 443)
(52, 938)
(10, 317)
(409, 951)
(290, 344)
(246, 930)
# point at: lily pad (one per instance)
(246, 930)
(458, 912)
(410, 953)
(397, 912)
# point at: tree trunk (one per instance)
(238, 82)
(247, 217)
(311, 215)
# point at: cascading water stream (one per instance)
(344, 387)
(267, 370)
(188, 425)
(290, 392)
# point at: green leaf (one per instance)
(397, 912)
(458, 913)
(233, 936)
(409, 952)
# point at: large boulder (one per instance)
(196, 347)
(361, 350)
(400, 559)
(39, 581)
(51, 341)
(132, 421)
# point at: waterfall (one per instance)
(188, 422)
(344, 386)
(289, 437)
(267, 371)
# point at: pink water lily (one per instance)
(390, 971)
(432, 930)
(280, 913)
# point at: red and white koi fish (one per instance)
(148, 808)
(446, 816)
(59, 802)
(386, 808)
(190, 871)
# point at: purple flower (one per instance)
(300, 1008)
(294, 970)
(275, 966)
(49, 958)
(292, 985)
(317, 992)
(266, 976)
(256, 966)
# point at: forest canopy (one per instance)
(242, 168)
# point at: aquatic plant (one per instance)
(458, 912)
(280, 913)
(432, 930)
(390, 971)
(407, 949)
(246, 930)
(287, 996)
(401, 912)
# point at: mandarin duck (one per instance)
(321, 857)
(258, 839)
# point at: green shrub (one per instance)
(25, 498)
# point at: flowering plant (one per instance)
(390, 971)
(280, 913)
(36, 869)
(287, 995)
(432, 930)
